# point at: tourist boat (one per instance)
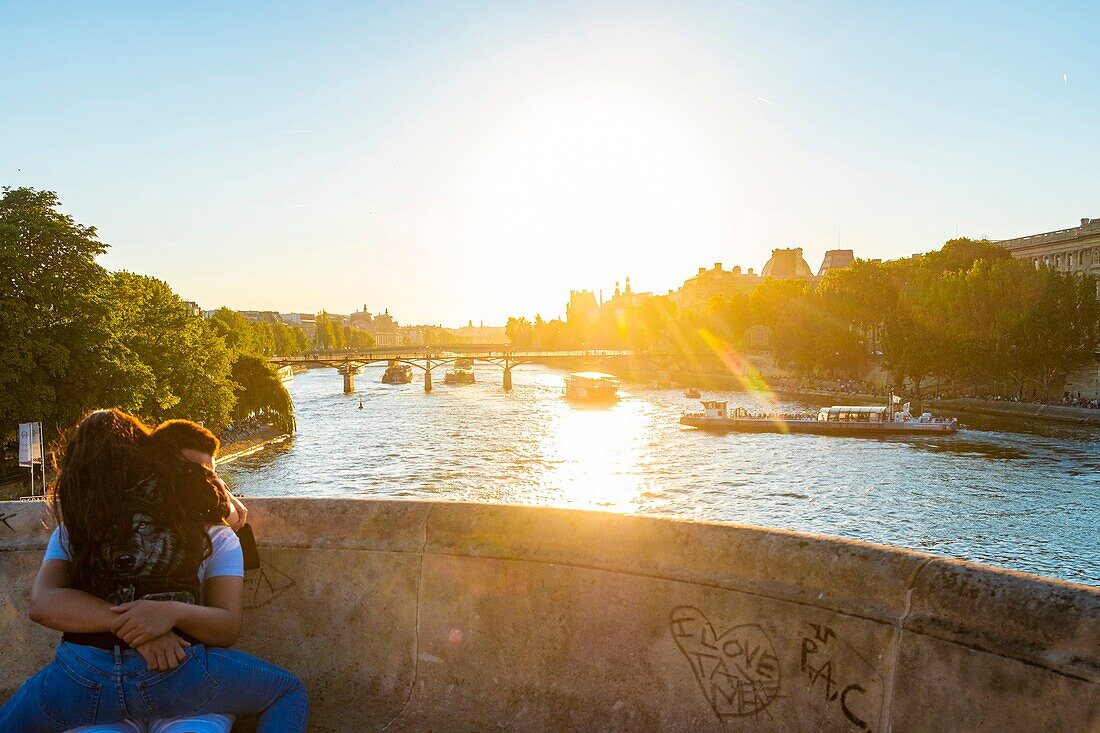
(839, 420)
(463, 372)
(397, 373)
(692, 393)
(591, 387)
(286, 374)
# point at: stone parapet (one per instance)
(412, 616)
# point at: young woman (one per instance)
(134, 554)
(196, 447)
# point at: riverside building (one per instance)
(786, 263)
(1076, 249)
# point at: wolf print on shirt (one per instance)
(149, 557)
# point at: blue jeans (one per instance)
(86, 685)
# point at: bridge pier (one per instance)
(349, 381)
(428, 378)
(508, 379)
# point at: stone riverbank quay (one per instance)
(415, 616)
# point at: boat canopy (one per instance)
(594, 376)
(860, 413)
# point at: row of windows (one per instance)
(1080, 259)
(825, 415)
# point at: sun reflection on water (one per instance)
(594, 454)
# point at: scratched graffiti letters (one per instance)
(836, 671)
(5, 517)
(737, 670)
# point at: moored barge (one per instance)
(463, 372)
(397, 373)
(836, 420)
(591, 387)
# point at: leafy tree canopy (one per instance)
(77, 337)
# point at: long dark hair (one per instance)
(105, 461)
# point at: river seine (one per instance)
(1007, 492)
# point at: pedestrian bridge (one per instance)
(416, 616)
(429, 358)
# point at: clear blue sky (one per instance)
(461, 161)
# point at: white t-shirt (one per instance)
(226, 558)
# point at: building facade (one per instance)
(385, 330)
(582, 307)
(787, 263)
(1071, 250)
(835, 259)
(714, 282)
(481, 334)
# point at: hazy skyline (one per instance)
(452, 162)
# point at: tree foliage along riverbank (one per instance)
(967, 313)
(75, 336)
(268, 338)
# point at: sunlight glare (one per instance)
(587, 182)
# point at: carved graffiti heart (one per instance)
(738, 671)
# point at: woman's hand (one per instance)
(238, 512)
(164, 652)
(142, 621)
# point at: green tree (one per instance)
(77, 337)
(263, 338)
(1061, 331)
(262, 394)
(731, 318)
(520, 333)
(960, 254)
(185, 361)
(788, 309)
(329, 335)
(235, 330)
(59, 358)
(357, 338)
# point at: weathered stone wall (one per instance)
(414, 616)
(1061, 413)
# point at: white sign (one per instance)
(30, 443)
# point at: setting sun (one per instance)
(575, 184)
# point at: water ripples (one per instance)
(1003, 491)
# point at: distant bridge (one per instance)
(428, 358)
